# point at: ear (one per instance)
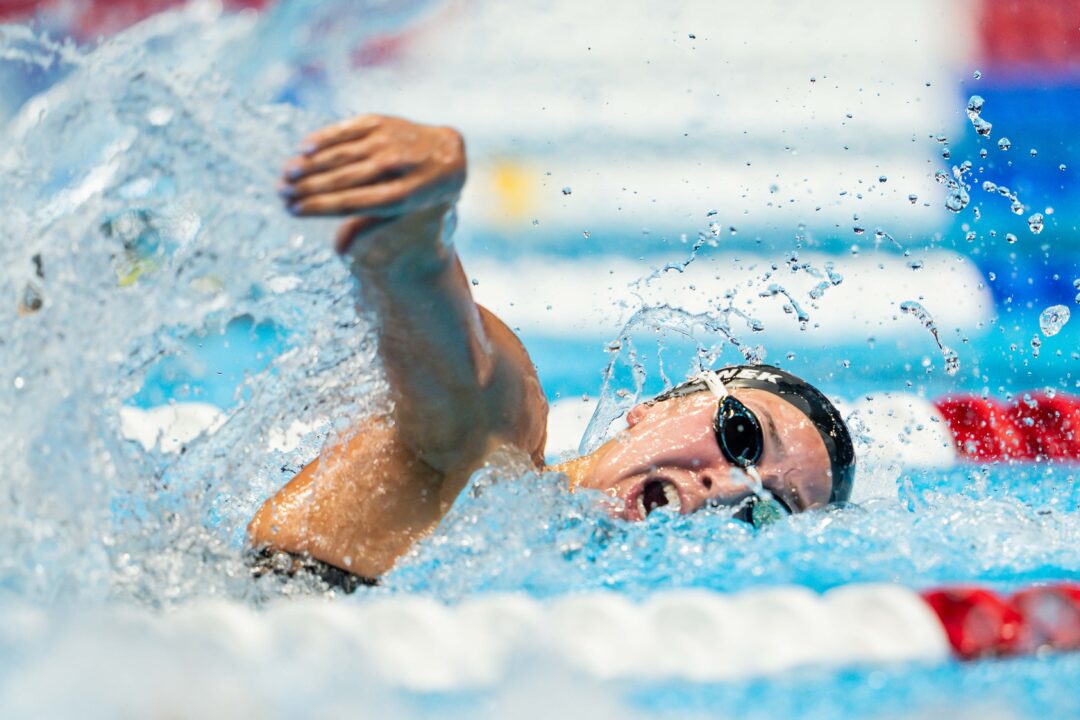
(637, 414)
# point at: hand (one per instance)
(374, 167)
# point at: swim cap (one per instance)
(809, 400)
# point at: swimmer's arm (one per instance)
(460, 378)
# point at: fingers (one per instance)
(386, 198)
(352, 129)
(332, 157)
(350, 176)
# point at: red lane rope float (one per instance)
(1035, 426)
(980, 623)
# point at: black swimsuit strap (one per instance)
(266, 561)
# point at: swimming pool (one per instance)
(152, 265)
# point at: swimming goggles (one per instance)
(742, 441)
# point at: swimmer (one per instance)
(754, 438)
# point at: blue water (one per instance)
(215, 295)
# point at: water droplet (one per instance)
(19, 382)
(567, 190)
(970, 237)
(952, 360)
(1004, 144)
(536, 223)
(712, 213)
(692, 36)
(915, 264)
(1034, 152)
(974, 105)
(475, 282)
(913, 198)
(813, 79)
(1010, 238)
(1053, 319)
(585, 234)
(858, 230)
(1035, 223)
(1017, 207)
(1036, 343)
(977, 74)
(983, 153)
(989, 186)
(882, 178)
(957, 199)
(1061, 167)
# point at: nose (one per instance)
(722, 484)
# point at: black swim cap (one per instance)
(809, 400)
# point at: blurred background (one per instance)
(814, 154)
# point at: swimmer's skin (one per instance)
(462, 384)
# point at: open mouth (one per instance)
(657, 494)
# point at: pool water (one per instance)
(149, 265)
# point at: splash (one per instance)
(948, 355)
(155, 223)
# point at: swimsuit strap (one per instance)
(267, 561)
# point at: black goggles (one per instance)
(738, 432)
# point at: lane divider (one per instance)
(419, 644)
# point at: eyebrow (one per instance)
(770, 427)
(774, 435)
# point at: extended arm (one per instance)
(461, 382)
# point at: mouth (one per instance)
(655, 494)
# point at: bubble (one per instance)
(1053, 319)
(1035, 223)
(1004, 144)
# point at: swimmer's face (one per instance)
(669, 455)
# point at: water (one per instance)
(150, 240)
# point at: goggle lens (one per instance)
(738, 431)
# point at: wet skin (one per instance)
(463, 386)
(673, 442)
